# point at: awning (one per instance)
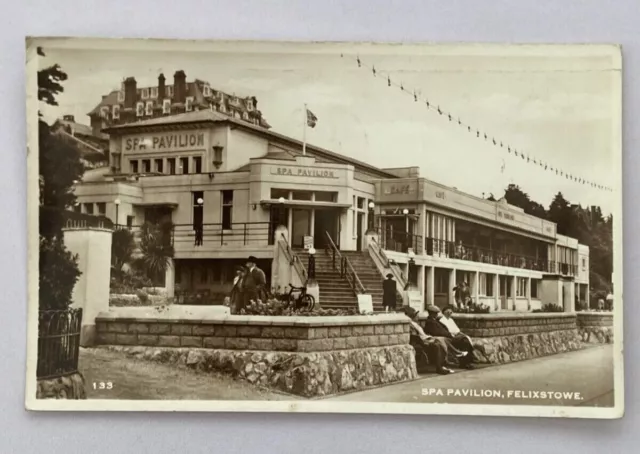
(305, 204)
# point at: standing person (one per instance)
(254, 282)
(237, 294)
(389, 293)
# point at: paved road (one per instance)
(583, 378)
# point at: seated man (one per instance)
(437, 325)
(434, 348)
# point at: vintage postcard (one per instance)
(325, 227)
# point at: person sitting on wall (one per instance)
(237, 294)
(254, 282)
(459, 340)
(434, 327)
(389, 293)
(434, 348)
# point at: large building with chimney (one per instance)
(133, 103)
(232, 187)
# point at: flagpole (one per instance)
(304, 131)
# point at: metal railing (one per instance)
(398, 275)
(293, 258)
(58, 342)
(399, 241)
(342, 264)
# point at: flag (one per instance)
(311, 119)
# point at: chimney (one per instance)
(161, 90)
(130, 92)
(180, 87)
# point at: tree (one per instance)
(560, 213)
(517, 197)
(60, 166)
(122, 248)
(156, 249)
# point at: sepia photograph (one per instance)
(324, 227)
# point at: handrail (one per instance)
(293, 259)
(393, 267)
(346, 269)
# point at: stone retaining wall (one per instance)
(67, 387)
(595, 327)
(289, 334)
(303, 374)
(503, 338)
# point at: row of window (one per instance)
(173, 166)
(316, 196)
(226, 208)
(99, 208)
(486, 285)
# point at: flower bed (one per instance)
(280, 308)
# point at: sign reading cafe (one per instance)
(165, 142)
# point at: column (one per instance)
(170, 279)
(452, 283)
(430, 284)
(529, 293)
(475, 287)
(312, 222)
(513, 292)
(421, 286)
(496, 291)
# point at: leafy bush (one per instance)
(58, 274)
(129, 283)
(549, 307)
(278, 308)
(143, 297)
(473, 308)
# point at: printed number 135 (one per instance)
(102, 385)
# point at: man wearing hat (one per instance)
(254, 282)
(434, 327)
(389, 293)
(434, 347)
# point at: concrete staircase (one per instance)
(335, 291)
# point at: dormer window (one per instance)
(149, 108)
(115, 112)
(169, 89)
(166, 106)
(139, 109)
(223, 109)
(245, 116)
(153, 92)
(188, 106)
(221, 96)
(145, 93)
(236, 114)
(104, 112)
(206, 91)
(120, 96)
(249, 104)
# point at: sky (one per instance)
(555, 106)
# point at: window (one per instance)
(534, 288)
(134, 166)
(129, 221)
(227, 209)
(139, 109)
(116, 162)
(153, 92)
(521, 287)
(198, 209)
(249, 104)
(188, 106)
(206, 91)
(104, 111)
(584, 263)
(77, 208)
(166, 106)
(489, 282)
(441, 281)
(301, 195)
(245, 116)
(120, 96)
(277, 193)
(145, 93)
(102, 208)
(88, 208)
(197, 164)
(223, 109)
(158, 165)
(217, 155)
(149, 108)
(169, 89)
(171, 162)
(115, 112)
(324, 196)
(184, 165)
(146, 166)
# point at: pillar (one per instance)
(170, 279)
(452, 283)
(421, 283)
(529, 293)
(496, 292)
(570, 299)
(430, 284)
(92, 245)
(312, 221)
(513, 292)
(475, 287)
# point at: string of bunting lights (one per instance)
(511, 150)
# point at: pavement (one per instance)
(579, 378)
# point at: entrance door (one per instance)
(326, 221)
(360, 226)
(300, 226)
